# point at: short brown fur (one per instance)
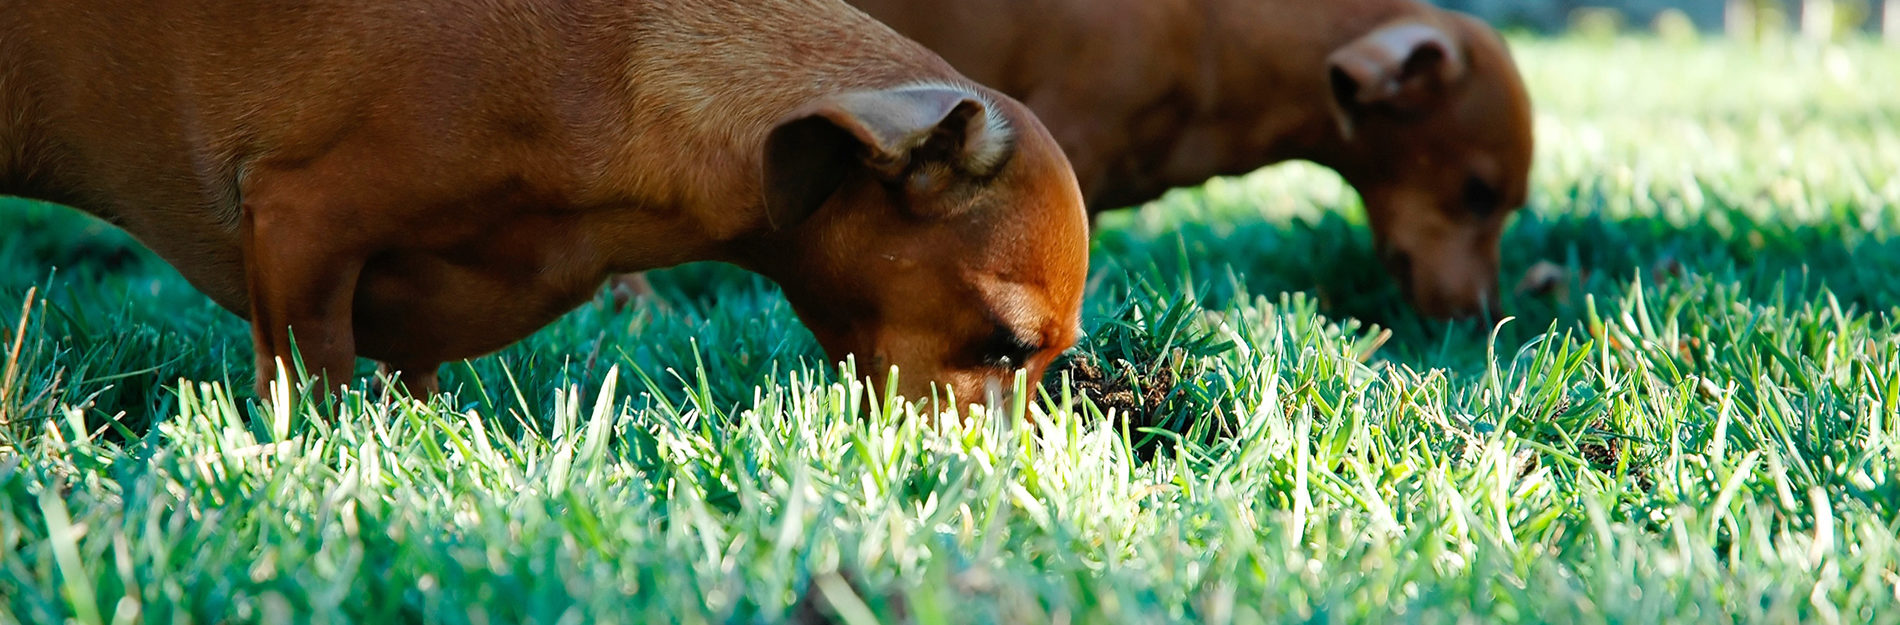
(1147, 95)
(418, 181)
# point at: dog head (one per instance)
(934, 228)
(1439, 133)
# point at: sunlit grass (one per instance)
(1696, 423)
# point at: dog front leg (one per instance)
(420, 380)
(301, 274)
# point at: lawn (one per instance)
(1693, 416)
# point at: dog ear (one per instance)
(1401, 67)
(893, 133)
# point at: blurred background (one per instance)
(1822, 19)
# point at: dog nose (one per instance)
(1490, 316)
(1463, 304)
(1483, 308)
(1399, 265)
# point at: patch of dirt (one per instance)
(815, 608)
(1556, 282)
(1137, 406)
(1604, 455)
(1545, 279)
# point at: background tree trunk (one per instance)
(1818, 19)
(1890, 21)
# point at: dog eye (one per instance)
(1008, 349)
(1480, 197)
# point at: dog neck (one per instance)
(1267, 73)
(681, 136)
(1258, 92)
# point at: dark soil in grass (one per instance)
(1126, 392)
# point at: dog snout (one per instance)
(1448, 273)
(1399, 265)
(1444, 282)
(1462, 296)
(991, 389)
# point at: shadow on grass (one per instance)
(1332, 261)
(119, 326)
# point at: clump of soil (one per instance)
(1605, 455)
(1133, 395)
(815, 608)
(1546, 279)
(1602, 453)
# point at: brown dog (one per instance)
(1422, 110)
(418, 181)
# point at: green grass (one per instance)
(1697, 425)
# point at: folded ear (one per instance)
(1403, 67)
(892, 133)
